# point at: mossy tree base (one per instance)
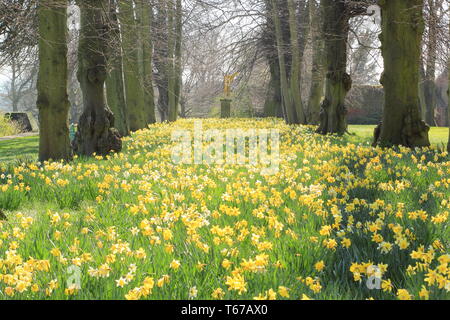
(333, 112)
(96, 133)
(402, 29)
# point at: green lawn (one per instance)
(19, 149)
(438, 136)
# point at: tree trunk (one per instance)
(146, 11)
(272, 104)
(115, 89)
(96, 133)
(170, 64)
(421, 85)
(273, 101)
(53, 101)
(402, 29)
(430, 75)
(333, 112)
(131, 64)
(14, 100)
(289, 111)
(178, 48)
(318, 65)
(161, 60)
(448, 106)
(295, 65)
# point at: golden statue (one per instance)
(228, 81)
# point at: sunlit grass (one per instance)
(19, 149)
(438, 135)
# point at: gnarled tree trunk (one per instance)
(53, 101)
(96, 132)
(338, 82)
(401, 38)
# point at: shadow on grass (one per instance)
(19, 149)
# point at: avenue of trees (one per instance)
(135, 62)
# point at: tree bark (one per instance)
(421, 85)
(316, 92)
(273, 101)
(178, 52)
(96, 133)
(401, 38)
(272, 104)
(289, 110)
(146, 12)
(295, 65)
(333, 112)
(132, 70)
(448, 93)
(161, 60)
(115, 89)
(172, 112)
(14, 100)
(53, 101)
(430, 75)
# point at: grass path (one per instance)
(20, 135)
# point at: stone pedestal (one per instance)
(225, 108)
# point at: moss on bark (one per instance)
(115, 90)
(402, 29)
(146, 12)
(132, 66)
(96, 133)
(338, 82)
(316, 92)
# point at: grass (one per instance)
(438, 136)
(20, 149)
(137, 226)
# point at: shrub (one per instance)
(8, 127)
